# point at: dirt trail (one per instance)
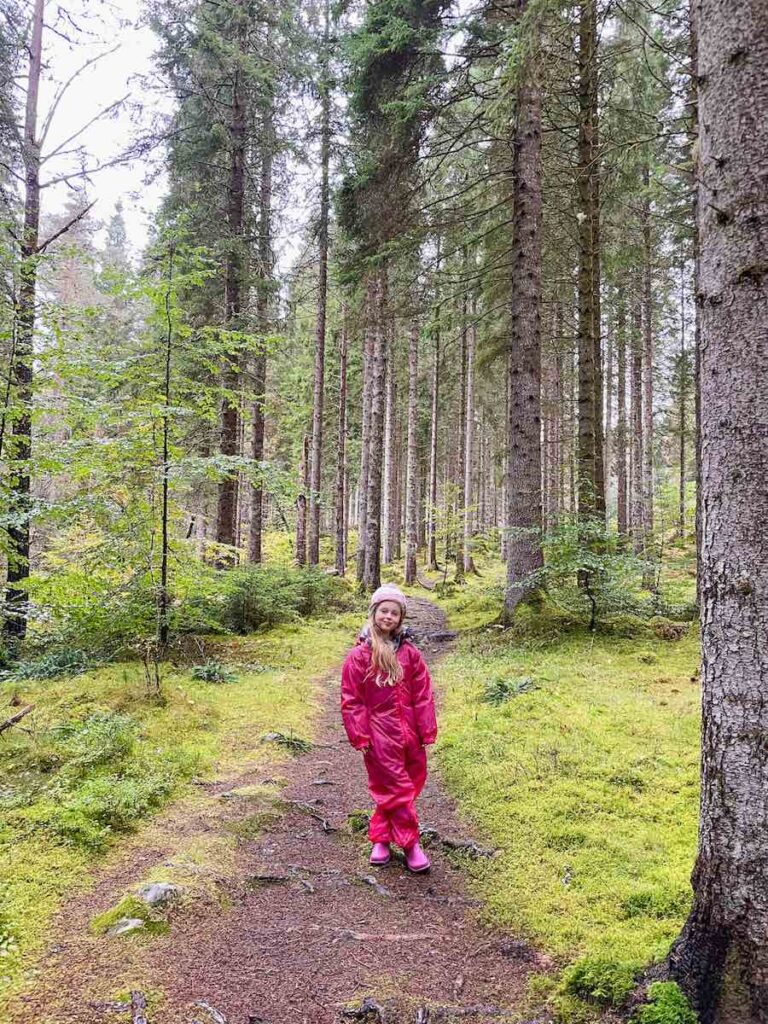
(323, 934)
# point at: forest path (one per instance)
(306, 929)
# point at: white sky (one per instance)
(96, 88)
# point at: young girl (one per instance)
(389, 714)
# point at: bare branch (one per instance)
(70, 224)
(102, 113)
(65, 86)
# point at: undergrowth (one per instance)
(97, 756)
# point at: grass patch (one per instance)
(588, 785)
(100, 757)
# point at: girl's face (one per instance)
(387, 616)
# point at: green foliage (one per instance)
(666, 1005)
(213, 672)
(587, 574)
(600, 981)
(63, 662)
(499, 689)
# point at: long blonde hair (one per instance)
(388, 670)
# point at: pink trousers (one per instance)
(396, 776)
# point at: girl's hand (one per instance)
(365, 750)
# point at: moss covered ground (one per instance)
(576, 755)
(99, 755)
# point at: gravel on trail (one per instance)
(306, 931)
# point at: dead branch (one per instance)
(16, 718)
(138, 1008)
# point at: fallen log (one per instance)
(16, 718)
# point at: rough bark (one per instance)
(229, 419)
(589, 448)
(341, 454)
(636, 458)
(621, 414)
(682, 410)
(647, 372)
(16, 598)
(301, 504)
(263, 294)
(372, 569)
(729, 919)
(524, 426)
(365, 453)
(313, 551)
(431, 511)
(389, 497)
(412, 483)
(468, 461)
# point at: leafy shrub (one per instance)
(213, 672)
(7, 938)
(102, 738)
(601, 981)
(499, 690)
(261, 596)
(666, 1005)
(63, 662)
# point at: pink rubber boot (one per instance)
(416, 859)
(380, 854)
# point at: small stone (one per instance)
(157, 894)
(126, 925)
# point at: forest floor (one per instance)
(280, 918)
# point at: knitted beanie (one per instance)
(388, 592)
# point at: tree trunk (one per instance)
(411, 488)
(431, 511)
(524, 427)
(372, 571)
(469, 417)
(263, 292)
(588, 276)
(610, 344)
(301, 504)
(682, 409)
(20, 455)
(322, 297)
(389, 499)
(365, 453)
(341, 457)
(621, 423)
(234, 272)
(636, 397)
(726, 930)
(647, 382)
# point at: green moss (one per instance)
(130, 907)
(102, 757)
(600, 981)
(588, 785)
(666, 1005)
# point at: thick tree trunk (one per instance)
(412, 479)
(365, 453)
(234, 274)
(322, 297)
(524, 426)
(389, 498)
(341, 454)
(20, 456)
(729, 920)
(682, 409)
(648, 525)
(636, 398)
(591, 502)
(431, 511)
(372, 571)
(263, 294)
(621, 422)
(469, 417)
(610, 344)
(462, 431)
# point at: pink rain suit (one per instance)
(396, 722)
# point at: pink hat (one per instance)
(388, 592)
